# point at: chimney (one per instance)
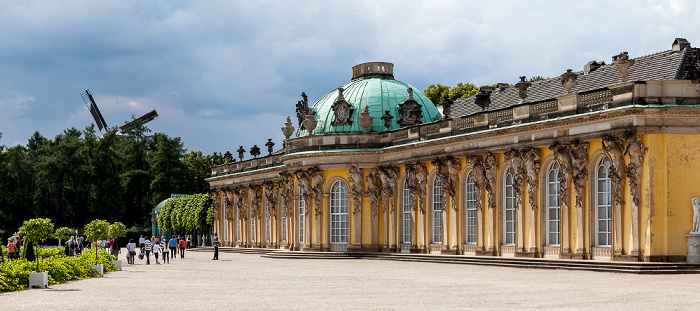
(591, 66)
(679, 44)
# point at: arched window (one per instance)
(603, 199)
(406, 220)
(267, 221)
(283, 225)
(509, 208)
(339, 213)
(437, 211)
(238, 225)
(470, 207)
(553, 205)
(301, 216)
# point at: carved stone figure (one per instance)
(579, 160)
(357, 189)
(241, 193)
(532, 167)
(479, 177)
(287, 189)
(374, 190)
(388, 176)
(302, 110)
(305, 186)
(696, 215)
(561, 155)
(255, 196)
(417, 181)
(636, 150)
(271, 192)
(410, 110)
(228, 157)
(447, 170)
(316, 177)
(490, 167)
(516, 161)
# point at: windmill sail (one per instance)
(92, 106)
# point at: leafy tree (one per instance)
(190, 212)
(95, 230)
(117, 229)
(437, 92)
(36, 231)
(166, 167)
(198, 168)
(536, 78)
(63, 233)
(463, 91)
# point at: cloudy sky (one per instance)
(227, 73)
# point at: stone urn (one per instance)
(365, 121)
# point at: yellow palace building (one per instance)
(593, 164)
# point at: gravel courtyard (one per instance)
(250, 282)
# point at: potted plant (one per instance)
(97, 229)
(117, 230)
(35, 231)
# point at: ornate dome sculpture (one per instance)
(372, 86)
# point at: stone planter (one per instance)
(693, 248)
(117, 264)
(99, 268)
(40, 279)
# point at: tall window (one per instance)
(406, 214)
(252, 223)
(339, 213)
(603, 204)
(283, 225)
(301, 216)
(267, 221)
(238, 225)
(471, 209)
(509, 208)
(553, 205)
(437, 211)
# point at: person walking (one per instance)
(216, 247)
(163, 245)
(156, 249)
(11, 249)
(173, 246)
(147, 249)
(183, 245)
(115, 247)
(71, 246)
(142, 243)
(131, 252)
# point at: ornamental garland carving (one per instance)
(448, 170)
(374, 189)
(216, 200)
(417, 180)
(516, 161)
(316, 177)
(479, 177)
(613, 147)
(228, 205)
(357, 189)
(287, 189)
(388, 176)
(636, 150)
(490, 168)
(271, 192)
(255, 196)
(306, 188)
(561, 155)
(241, 193)
(531, 157)
(579, 159)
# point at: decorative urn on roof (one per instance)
(288, 129)
(310, 123)
(365, 121)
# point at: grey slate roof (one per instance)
(666, 65)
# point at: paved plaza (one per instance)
(250, 282)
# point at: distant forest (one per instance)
(79, 176)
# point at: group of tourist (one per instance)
(13, 247)
(111, 245)
(74, 246)
(158, 247)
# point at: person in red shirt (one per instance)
(183, 244)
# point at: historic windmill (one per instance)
(100, 121)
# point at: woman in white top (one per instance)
(156, 249)
(131, 252)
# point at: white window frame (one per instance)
(283, 225)
(406, 219)
(509, 207)
(470, 209)
(339, 213)
(553, 222)
(437, 210)
(603, 202)
(301, 208)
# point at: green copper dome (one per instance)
(372, 86)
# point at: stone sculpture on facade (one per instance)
(342, 110)
(374, 190)
(561, 155)
(491, 168)
(531, 157)
(240, 151)
(288, 129)
(357, 192)
(613, 147)
(388, 176)
(271, 193)
(228, 157)
(310, 122)
(365, 120)
(302, 110)
(694, 234)
(636, 150)
(410, 111)
(696, 215)
(579, 161)
(287, 192)
(479, 182)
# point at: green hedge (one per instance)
(14, 274)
